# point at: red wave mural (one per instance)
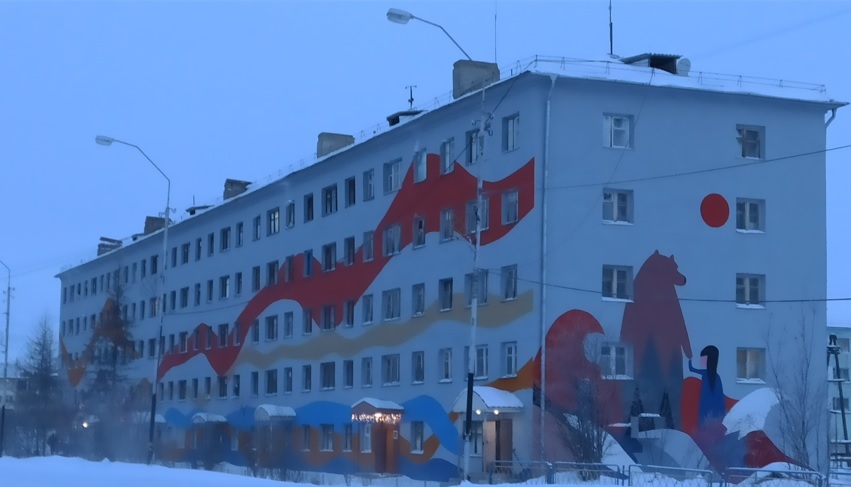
(425, 199)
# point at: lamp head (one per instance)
(104, 140)
(399, 16)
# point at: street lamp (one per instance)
(107, 141)
(399, 16)
(5, 357)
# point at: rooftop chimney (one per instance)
(234, 187)
(153, 223)
(672, 63)
(108, 245)
(329, 142)
(402, 116)
(469, 76)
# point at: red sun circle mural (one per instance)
(714, 210)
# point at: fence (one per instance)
(839, 478)
(602, 473)
(509, 472)
(657, 476)
(746, 477)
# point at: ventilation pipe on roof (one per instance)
(469, 76)
(329, 142)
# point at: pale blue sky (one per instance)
(212, 90)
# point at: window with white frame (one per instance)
(224, 287)
(290, 214)
(255, 383)
(481, 371)
(418, 367)
(327, 375)
(366, 437)
(368, 184)
(510, 206)
(347, 437)
(366, 309)
(329, 200)
(509, 359)
(474, 141)
(484, 216)
(307, 321)
(750, 364)
(617, 282)
(392, 176)
(392, 240)
(419, 232)
(350, 192)
(308, 262)
(508, 282)
(306, 378)
(444, 294)
(391, 304)
(271, 382)
(750, 215)
(366, 372)
(447, 155)
(349, 251)
(617, 206)
(447, 224)
(328, 317)
(444, 356)
(510, 132)
(329, 257)
(418, 299)
(390, 372)
(348, 374)
(368, 246)
(271, 328)
(257, 226)
(327, 437)
(349, 313)
(615, 360)
(288, 324)
(751, 139)
(750, 289)
(288, 379)
(224, 242)
(305, 438)
(417, 434)
(420, 167)
(839, 405)
(223, 386)
(273, 221)
(617, 131)
(308, 207)
(477, 286)
(272, 273)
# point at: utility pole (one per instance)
(5, 358)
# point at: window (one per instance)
(417, 431)
(368, 184)
(271, 328)
(223, 386)
(181, 341)
(184, 298)
(288, 324)
(211, 244)
(839, 405)
(392, 176)
(224, 287)
(308, 207)
(509, 359)
(510, 206)
(444, 294)
(240, 232)
(472, 214)
(272, 273)
(366, 372)
(478, 438)
(750, 364)
(273, 221)
(255, 331)
(305, 438)
(366, 308)
(419, 232)
(615, 361)
(390, 369)
(350, 192)
(236, 385)
(154, 260)
(349, 313)
(306, 378)
(255, 383)
(481, 371)
(447, 224)
(750, 215)
(617, 282)
(327, 375)
(447, 156)
(475, 144)
(510, 132)
(617, 131)
(392, 240)
(308, 263)
(184, 253)
(750, 289)
(445, 358)
(476, 287)
(209, 290)
(288, 379)
(420, 167)
(418, 299)
(328, 317)
(391, 305)
(617, 206)
(290, 215)
(842, 373)
(198, 247)
(208, 387)
(255, 278)
(327, 437)
(418, 367)
(366, 438)
(223, 335)
(347, 437)
(224, 239)
(209, 336)
(238, 283)
(348, 251)
(348, 374)
(368, 246)
(288, 268)
(329, 200)
(257, 227)
(508, 282)
(307, 321)
(329, 257)
(751, 141)
(195, 388)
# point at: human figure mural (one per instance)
(711, 404)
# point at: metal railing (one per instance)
(745, 477)
(511, 472)
(839, 478)
(573, 472)
(658, 476)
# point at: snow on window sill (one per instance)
(621, 223)
(416, 452)
(617, 377)
(749, 231)
(445, 381)
(749, 306)
(750, 381)
(616, 300)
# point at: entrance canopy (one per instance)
(271, 412)
(372, 410)
(201, 418)
(144, 417)
(488, 400)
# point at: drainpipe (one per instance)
(544, 204)
(832, 116)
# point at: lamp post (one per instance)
(5, 358)
(399, 16)
(104, 140)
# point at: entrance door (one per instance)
(504, 448)
(379, 446)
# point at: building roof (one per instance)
(489, 399)
(379, 404)
(268, 412)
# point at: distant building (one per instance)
(11, 387)
(838, 406)
(661, 232)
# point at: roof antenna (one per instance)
(611, 34)
(411, 95)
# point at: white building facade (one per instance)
(642, 253)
